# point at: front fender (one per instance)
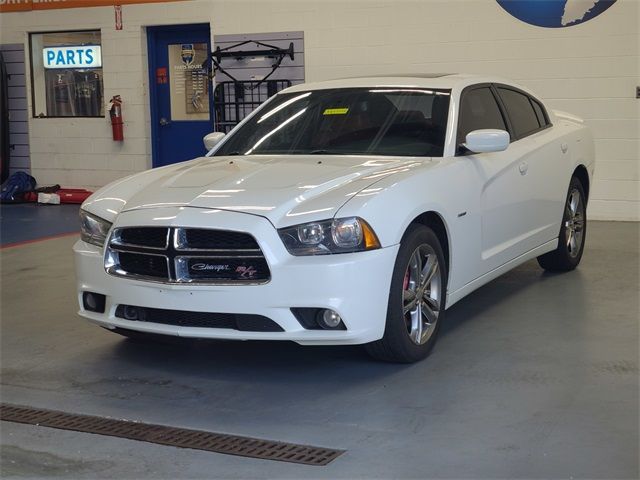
(445, 187)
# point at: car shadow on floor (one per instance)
(259, 357)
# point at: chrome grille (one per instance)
(186, 255)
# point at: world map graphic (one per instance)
(555, 13)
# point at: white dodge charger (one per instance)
(341, 212)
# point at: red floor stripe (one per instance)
(36, 240)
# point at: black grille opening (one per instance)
(219, 240)
(184, 318)
(154, 237)
(142, 264)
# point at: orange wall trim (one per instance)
(28, 5)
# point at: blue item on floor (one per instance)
(17, 184)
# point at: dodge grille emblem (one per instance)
(209, 266)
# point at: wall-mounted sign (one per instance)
(555, 13)
(84, 56)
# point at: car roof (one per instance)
(456, 81)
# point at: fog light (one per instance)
(93, 302)
(130, 313)
(328, 319)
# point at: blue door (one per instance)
(180, 91)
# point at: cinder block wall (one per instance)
(590, 69)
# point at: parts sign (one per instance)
(85, 56)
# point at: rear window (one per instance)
(539, 113)
(521, 112)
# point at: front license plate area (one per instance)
(205, 269)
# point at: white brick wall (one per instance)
(589, 69)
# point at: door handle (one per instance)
(524, 166)
(164, 122)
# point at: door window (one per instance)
(523, 116)
(479, 110)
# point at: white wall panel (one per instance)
(590, 69)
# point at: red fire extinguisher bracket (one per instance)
(115, 113)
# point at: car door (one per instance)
(542, 153)
(501, 178)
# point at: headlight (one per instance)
(340, 235)
(93, 229)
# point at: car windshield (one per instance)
(354, 121)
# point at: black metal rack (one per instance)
(233, 101)
(270, 51)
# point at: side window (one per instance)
(539, 113)
(478, 110)
(521, 112)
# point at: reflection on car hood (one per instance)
(285, 189)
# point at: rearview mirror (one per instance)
(212, 139)
(487, 140)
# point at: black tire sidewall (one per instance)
(395, 329)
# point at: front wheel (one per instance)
(416, 299)
(573, 232)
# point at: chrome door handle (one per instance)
(524, 166)
(164, 122)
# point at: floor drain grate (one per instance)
(176, 437)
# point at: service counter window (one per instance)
(66, 72)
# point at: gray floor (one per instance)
(535, 376)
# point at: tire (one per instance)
(573, 232)
(407, 340)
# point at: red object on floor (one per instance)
(30, 197)
(73, 195)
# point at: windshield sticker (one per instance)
(336, 111)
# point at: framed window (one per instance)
(66, 74)
(479, 110)
(542, 119)
(521, 112)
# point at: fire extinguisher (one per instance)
(115, 112)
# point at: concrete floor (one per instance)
(535, 376)
(25, 222)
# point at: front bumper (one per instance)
(354, 285)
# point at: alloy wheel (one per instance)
(422, 294)
(574, 223)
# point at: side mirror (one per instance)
(212, 139)
(487, 140)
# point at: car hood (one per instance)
(285, 189)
